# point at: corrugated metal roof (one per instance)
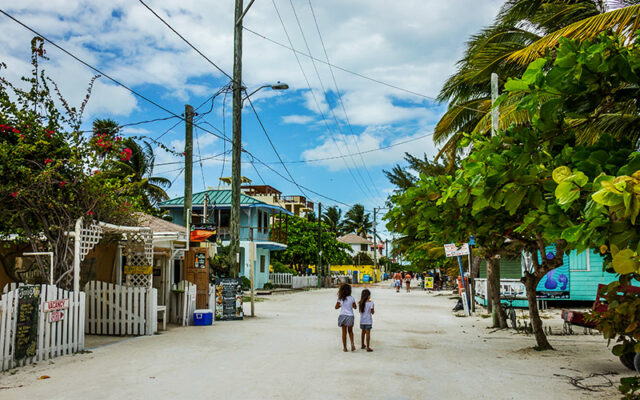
(217, 197)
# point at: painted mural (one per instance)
(555, 284)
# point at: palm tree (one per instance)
(522, 31)
(333, 217)
(357, 221)
(139, 168)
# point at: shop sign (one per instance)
(451, 250)
(138, 269)
(228, 299)
(27, 322)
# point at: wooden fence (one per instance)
(183, 303)
(60, 316)
(280, 279)
(120, 310)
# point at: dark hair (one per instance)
(366, 294)
(344, 291)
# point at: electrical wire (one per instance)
(339, 94)
(204, 185)
(356, 73)
(315, 99)
(185, 40)
(274, 147)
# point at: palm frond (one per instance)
(623, 21)
(458, 115)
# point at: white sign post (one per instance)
(451, 250)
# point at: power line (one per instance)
(325, 95)
(315, 99)
(185, 40)
(274, 147)
(355, 73)
(102, 73)
(335, 83)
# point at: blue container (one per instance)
(202, 317)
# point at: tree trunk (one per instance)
(530, 283)
(493, 292)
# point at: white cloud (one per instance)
(346, 146)
(297, 119)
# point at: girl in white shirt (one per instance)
(365, 307)
(346, 303)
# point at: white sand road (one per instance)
(292, 350)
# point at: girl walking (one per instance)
(365, 306)
(346, 303)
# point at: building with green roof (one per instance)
(256, 226)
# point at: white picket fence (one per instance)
(55, 339)
(281, 279)
(113, 309)
(301, 282)
(183, 303)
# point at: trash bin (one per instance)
(203, 317)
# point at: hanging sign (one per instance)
(229, 299)
(138, 269)
(451, 250)
(428, 282)
(55, 316)
(27, 322)
(54, 305)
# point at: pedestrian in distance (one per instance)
(346, 303)
(398, 278)
(365, 306)
(407, 279)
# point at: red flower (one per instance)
(125, 155)
(62, 183)
(89, 212)
(47, 161)
(21, 136)
(14, 194)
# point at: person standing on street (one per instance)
(365, 306)
(407, 279)
(398, 280)
(346, 303)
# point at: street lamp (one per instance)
(277, 86)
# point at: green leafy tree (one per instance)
(52, 174)
(302, 245)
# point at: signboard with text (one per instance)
(451, 250)
(228, 299)
(27, 322)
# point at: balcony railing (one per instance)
(254, 233)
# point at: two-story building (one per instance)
(263, 226)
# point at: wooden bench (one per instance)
(572, 317)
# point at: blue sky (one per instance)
(409, 44)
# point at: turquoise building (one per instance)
(576, 280)
(256, 230)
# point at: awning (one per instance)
(200, 235)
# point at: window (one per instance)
(263, 262)
(363, 247)
(265, 223)
(580, 262)
(225, 216)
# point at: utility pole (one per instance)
(236, 152)
(494, 111)
(386, 254)
(319, 249)
(188, 165)
(375, 240)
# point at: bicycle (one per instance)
(510, 311)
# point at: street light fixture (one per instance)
(277, 86)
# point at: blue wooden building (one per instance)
(576, 280)
(257, 233)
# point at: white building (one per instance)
(358, 244)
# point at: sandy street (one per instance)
(292, 350)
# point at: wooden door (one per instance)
(196, 270)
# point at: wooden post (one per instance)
(252, 260)
(188, 166)
(76, 255)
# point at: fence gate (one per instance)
(183, 303)
(120, 310)
(56, 324)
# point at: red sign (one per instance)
(55, 316)
(53, 305)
